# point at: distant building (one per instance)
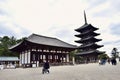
(36, 49)
(88, 47)
(9, 62)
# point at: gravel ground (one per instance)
(91, 71)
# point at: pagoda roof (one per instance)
(86, 26)
(87, 33)
(43, 40)
(90, 45)
(87, 39)
(90, 52)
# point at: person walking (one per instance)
(46, 67)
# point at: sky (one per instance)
(60, 18)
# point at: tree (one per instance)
(5, 43)
(79, 59)
(103, 56)
(72, 56)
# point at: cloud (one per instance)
(94, 3)
(39, 16)
(65, 33)
(115, 29)
(9, 29)
(2, 12)
(3, 0)
(110, 45)
(112, 42)
(59, 18)
(5, 31)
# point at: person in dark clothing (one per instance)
(46, 67)
(113, 61)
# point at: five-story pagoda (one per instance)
(88, 47)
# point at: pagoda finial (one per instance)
(85, 17)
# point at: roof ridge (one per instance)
(51, 38)
(41, 36)
(44, 40)
(65, 42)
(8, 56)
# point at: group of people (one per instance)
(46, 64)
(112, 61)
(102, 61)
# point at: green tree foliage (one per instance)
(79, 59)
(72, 54)
(5, 43)
(103, 56)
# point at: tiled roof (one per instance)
(90, 52)
(90, 45)
(85, 26)
(34, 38)
(9, 59)
(49, 41)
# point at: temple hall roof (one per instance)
(34, 38)
(48, 41)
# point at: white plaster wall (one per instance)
(43, 56)
(25, 57)
(56, 56)
(50, 56)
(37, 63)
(67, 57)
(22, 58)
(40, 56)
(29, 57)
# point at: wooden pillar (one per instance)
(31, 57)
(49, 56)
(53, 57)
(62, 57)
(36, 57)
(30, 54)
(56, 56)
(45, 55)
(59, 58)
(39, 57)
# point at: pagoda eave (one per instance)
(82, 34)
(90, 39)
(90, 52)
(86, 27)
(90, 45)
